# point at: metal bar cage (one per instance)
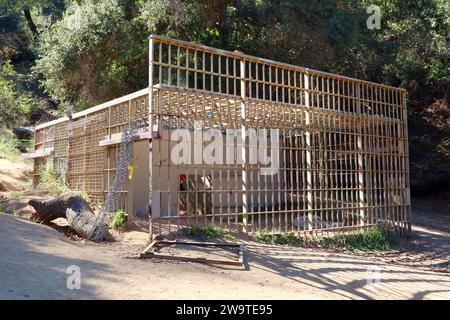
(341, 145)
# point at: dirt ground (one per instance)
(13, 176)
(35, 259)
(15, 188)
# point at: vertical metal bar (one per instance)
(360, 157)
(129, 183)
(150, 129)
(309, 185)
(406, 159)
(243, 151)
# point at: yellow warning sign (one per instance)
(131, 168)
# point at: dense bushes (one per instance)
(88, 52)
(15, 106)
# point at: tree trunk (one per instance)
(76, 210)
(223, 24)
(31, 24)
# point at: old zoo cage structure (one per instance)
(343, 146)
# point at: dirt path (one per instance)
(34, 260)
(13, 176)
(15, 182)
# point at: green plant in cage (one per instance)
(210, 231)
(55, 183)
(278, 238)
(51, 180)
(377, 238)
(120, 219)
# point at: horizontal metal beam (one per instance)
(240, 55)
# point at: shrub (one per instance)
(209, 231)
(3, 208)
(15, 194)
(278, 238)
(120, 219)
(52, 181)
(377, 238)
(15, 106)
(9, 146)
(55, 183)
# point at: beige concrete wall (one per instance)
(139, 183)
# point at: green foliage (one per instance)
(209, 231)
(15, 194)
(56, 184)
(278, 238)
(92, 51)
(194, 230)
(15, 108)
(53, 181)
(9, 146)
(377, 238)
(3, 208)
(120, 219)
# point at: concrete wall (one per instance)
(139, 184)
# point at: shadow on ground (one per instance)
(347, 276)
(34, 263)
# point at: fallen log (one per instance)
(76, 210)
